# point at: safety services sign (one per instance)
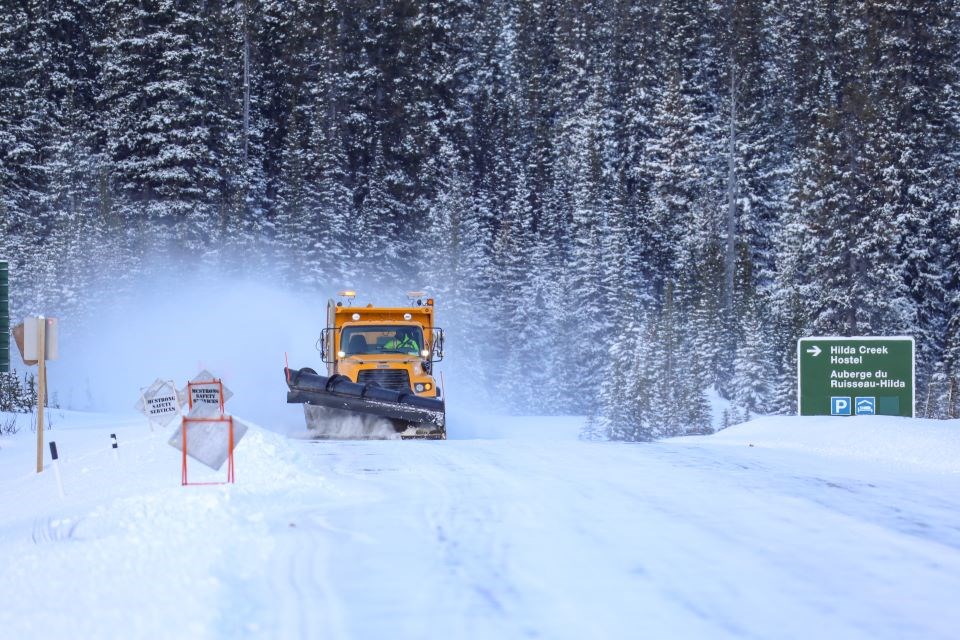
(855, 376)
(159, 402)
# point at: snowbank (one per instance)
(930, 445)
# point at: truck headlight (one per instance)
(419, 388)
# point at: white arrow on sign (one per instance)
(814, 351)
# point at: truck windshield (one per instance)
(381, 339)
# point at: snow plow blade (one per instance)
(411, 415)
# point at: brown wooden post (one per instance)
(41, 386)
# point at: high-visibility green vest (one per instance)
(400, 345)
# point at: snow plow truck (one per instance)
(379, 382)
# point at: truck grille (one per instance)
(397, 379)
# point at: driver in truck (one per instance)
(403, 341)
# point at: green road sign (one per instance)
(855, 376)
(4, 317)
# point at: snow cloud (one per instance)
(175, 326)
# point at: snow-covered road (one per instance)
(484, 539)
(530, 534)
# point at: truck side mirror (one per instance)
(324, 345)
(437, 340)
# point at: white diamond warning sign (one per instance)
(205, 394)
(159, 402)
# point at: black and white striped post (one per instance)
(56, 467)
(113, 445)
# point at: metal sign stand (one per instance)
(220, 418)
(35, 349)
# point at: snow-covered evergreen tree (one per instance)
(699, 184)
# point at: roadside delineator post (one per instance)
(56, 467)
(114, 447)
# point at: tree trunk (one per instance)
(246, 83)
(732, 188)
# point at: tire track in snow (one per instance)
(54, 529)
(472, 551)
(303, 602)
(432, 550)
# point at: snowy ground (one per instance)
(825, 528)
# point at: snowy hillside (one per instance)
(827, 528)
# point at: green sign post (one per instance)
(4, 317)
(855, 376)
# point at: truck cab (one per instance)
(392, 347)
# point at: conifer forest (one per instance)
(664, 194)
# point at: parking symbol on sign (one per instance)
(866, 406)
(840, 406)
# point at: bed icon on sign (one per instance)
(866, 406)
(840, 406)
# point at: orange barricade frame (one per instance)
(231, 478)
